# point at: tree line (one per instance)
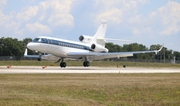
(163, 54)
(15, 47)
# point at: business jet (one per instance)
(89, 48)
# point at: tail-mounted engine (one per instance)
(94, 47)
(98, 48)
(85, 39)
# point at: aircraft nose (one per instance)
(32, 46)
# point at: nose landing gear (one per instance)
(40, 54)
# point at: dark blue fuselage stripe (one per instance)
(65, 44)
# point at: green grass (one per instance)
(90, 89)
(95, 63)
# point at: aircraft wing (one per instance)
(96, 56)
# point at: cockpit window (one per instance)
(36, 40)
(40, 40)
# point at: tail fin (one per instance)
(101, 30)
(100, 34)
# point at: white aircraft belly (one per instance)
(62, 51)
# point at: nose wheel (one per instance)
(86, 63)
(40, 54)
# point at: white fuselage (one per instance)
(57, 47)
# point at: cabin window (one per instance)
(49, 41)
(44, 40)
(55, 42)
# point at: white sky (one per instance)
(146, 22)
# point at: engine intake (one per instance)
(98, 48)
(93, 46)
(86, 39)
(81, 38)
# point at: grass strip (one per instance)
(90, 89)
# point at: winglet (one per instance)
(156, 51)
(121, 40)
(160, 48)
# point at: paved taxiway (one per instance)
(39, 69)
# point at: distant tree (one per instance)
(168, 54)
(134, 47)
(1, 46)
(26, 41)
(177, 55)
(155, 47)
(113, 48)
(11, 47)
(137, 47)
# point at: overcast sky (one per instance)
(146, 22)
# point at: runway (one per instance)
(53, 69)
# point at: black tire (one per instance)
(39, 59)
(62, 64)
(86, 64)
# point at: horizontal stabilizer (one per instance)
(121, 40)
(30, 56)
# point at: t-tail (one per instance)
(98, 38)
(100, 34)
(98, 41)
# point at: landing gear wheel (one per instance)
(62, 64)
(86, 64)
(39, 59)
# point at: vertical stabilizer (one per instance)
(100, 34)
(101, 30)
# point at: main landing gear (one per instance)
(86, 63)
(39, 59)
(62, 63)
